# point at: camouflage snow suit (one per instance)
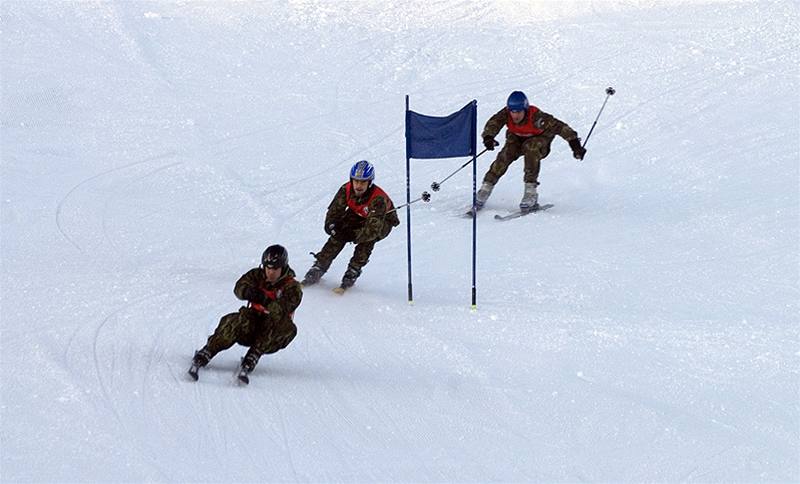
(535, 148)
(265, 329)
(344, 225)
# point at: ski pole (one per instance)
(609, 92)
(435, 186)
(425, 197)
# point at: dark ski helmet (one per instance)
(362, 170)
(517, 101)
(275, 257)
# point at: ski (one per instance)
(519, 213)
(193, 372)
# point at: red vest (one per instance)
(273, 295)
(362, 209)
(526, 129)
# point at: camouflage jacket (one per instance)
(549, 123)
(288, 292)
(352, 227)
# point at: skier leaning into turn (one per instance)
(266, 323)
(529, 133)
(360, 212)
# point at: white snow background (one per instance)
(644, 329)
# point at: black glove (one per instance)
(578, 151)
(489, 143)
(254, 295)
(343, 233)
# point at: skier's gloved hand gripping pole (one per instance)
(609, 92)
(435, 186)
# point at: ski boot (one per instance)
(483, 194)
(201, 359)
(349, 278)
(480, 199)
(313, 275)
(247, 366)
(530, 199)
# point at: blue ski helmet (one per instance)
(362, 170)
(517, 101)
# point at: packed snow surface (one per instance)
(643, 329)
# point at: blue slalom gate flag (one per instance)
(441, 137)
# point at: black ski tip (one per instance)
(193, 374)
(244, 379)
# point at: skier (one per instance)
(529, 132)
(266, 323)
(360, 212)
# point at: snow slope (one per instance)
(644, 329)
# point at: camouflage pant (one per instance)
(251, 328)
(334, 246)
(534, 149)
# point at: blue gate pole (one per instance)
(408, 209)
(474, 212)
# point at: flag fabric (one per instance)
(441, 137)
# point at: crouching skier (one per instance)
(361, 213)
(265, 325)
